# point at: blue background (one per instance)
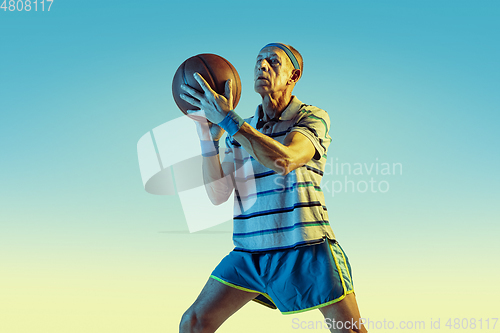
(85, 248)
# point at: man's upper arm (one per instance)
(227, 163)
(227, 168)
(315, 125)
(301, 149)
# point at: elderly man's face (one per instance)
(272, 71)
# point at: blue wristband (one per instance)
(209, 148)
(231, 123)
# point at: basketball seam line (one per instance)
(184, 73)
(234, 76)
(208, 70)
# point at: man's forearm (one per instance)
(218, 186)
(264, 149)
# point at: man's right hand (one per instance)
(206, 130)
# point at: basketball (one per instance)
(214, 69)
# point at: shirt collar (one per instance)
(287, 114)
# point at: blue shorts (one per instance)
(292, 280)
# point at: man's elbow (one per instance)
(217, 201)
(294, 159)
(218, 198)
(284, 166)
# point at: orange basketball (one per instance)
(214, 69)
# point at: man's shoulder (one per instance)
(314, 112)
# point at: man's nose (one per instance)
(264, 65)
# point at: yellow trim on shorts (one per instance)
(244, 289)
(234, 286)
(268, 297)
(264, 303)
(343, 285)
(347, 268)
(339, 270)
(320, 305)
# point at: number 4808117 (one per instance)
(27, 5)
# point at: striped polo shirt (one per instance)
(272, 211)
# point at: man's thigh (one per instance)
(345, 311)
(218, 301)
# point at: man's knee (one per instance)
(195, 322)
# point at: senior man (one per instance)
(286, 255)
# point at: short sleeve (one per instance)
(314, 123)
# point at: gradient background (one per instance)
(83, 248)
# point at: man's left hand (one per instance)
(215, 106)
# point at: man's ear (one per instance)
(295, 75)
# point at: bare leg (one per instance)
(214, 305)
(345, 311)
